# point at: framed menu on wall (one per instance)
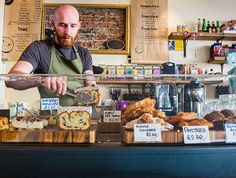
(104, 28)
(22, 22)
(149, 32)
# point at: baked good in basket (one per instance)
(183, 116)
(196, 122)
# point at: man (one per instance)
(57, 56)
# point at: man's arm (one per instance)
(53, 84)
(22, 67)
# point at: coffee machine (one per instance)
(166, 97)
(194, 97)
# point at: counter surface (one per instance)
(116, 160)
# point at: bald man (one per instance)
(59, 55)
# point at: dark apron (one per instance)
(60, 65)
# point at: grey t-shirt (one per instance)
(38, 53)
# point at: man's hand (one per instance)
(55, 84)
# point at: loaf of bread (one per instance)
(4, 123)
(76, 120)
(28, 122)
(91, 90)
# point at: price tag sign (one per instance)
(112, 116)
(196, 134)
(147, 133)
(49, 103)
(230, 133)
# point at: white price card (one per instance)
(230, 133)
(196, 134)
(49, 103)
(147, 133)
(112, 116)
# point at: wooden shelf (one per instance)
(202, 36)
(212, 61)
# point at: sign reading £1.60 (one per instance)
(112, 116)
(49, 103)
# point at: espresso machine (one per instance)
(194, 98)
(166, 97)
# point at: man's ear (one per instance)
(79, 25)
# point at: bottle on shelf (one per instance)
(199, 25)
(218, 28)
(213, 27)
(204, 29)
(209, 28)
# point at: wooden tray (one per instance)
(50, 135)
(173, 136)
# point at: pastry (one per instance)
(227, 112)
(213, 116)
(137, 109)
(147, 118)
(219, 124)
(76, 120)
(183, 116)
(30, 122)
(4, 123)
(196, 122)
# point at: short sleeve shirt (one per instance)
(38, 54)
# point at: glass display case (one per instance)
(169, 109)
(124, 118)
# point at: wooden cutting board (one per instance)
(175, 136)
(49, 135)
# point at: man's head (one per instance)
(66, 24)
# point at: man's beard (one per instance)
(62, 41)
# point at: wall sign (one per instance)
(22, 22)
(149, 32)
(104, 28)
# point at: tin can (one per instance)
(179, 28)
(139, 69)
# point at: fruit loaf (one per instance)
(76, 120)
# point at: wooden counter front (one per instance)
(49, 135)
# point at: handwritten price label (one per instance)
(49, 103)
(112, 116)
(230, 133)
(147, 133)
(196, 134)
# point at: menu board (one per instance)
(149, 32)
(22, 25)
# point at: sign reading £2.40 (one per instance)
(49, 103)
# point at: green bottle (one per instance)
(204, 28)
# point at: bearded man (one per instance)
(60, 55)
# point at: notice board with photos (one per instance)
(149, 32)
(22, 22)
(104, 28)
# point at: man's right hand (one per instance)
(56, 85)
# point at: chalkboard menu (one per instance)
(104, 28)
